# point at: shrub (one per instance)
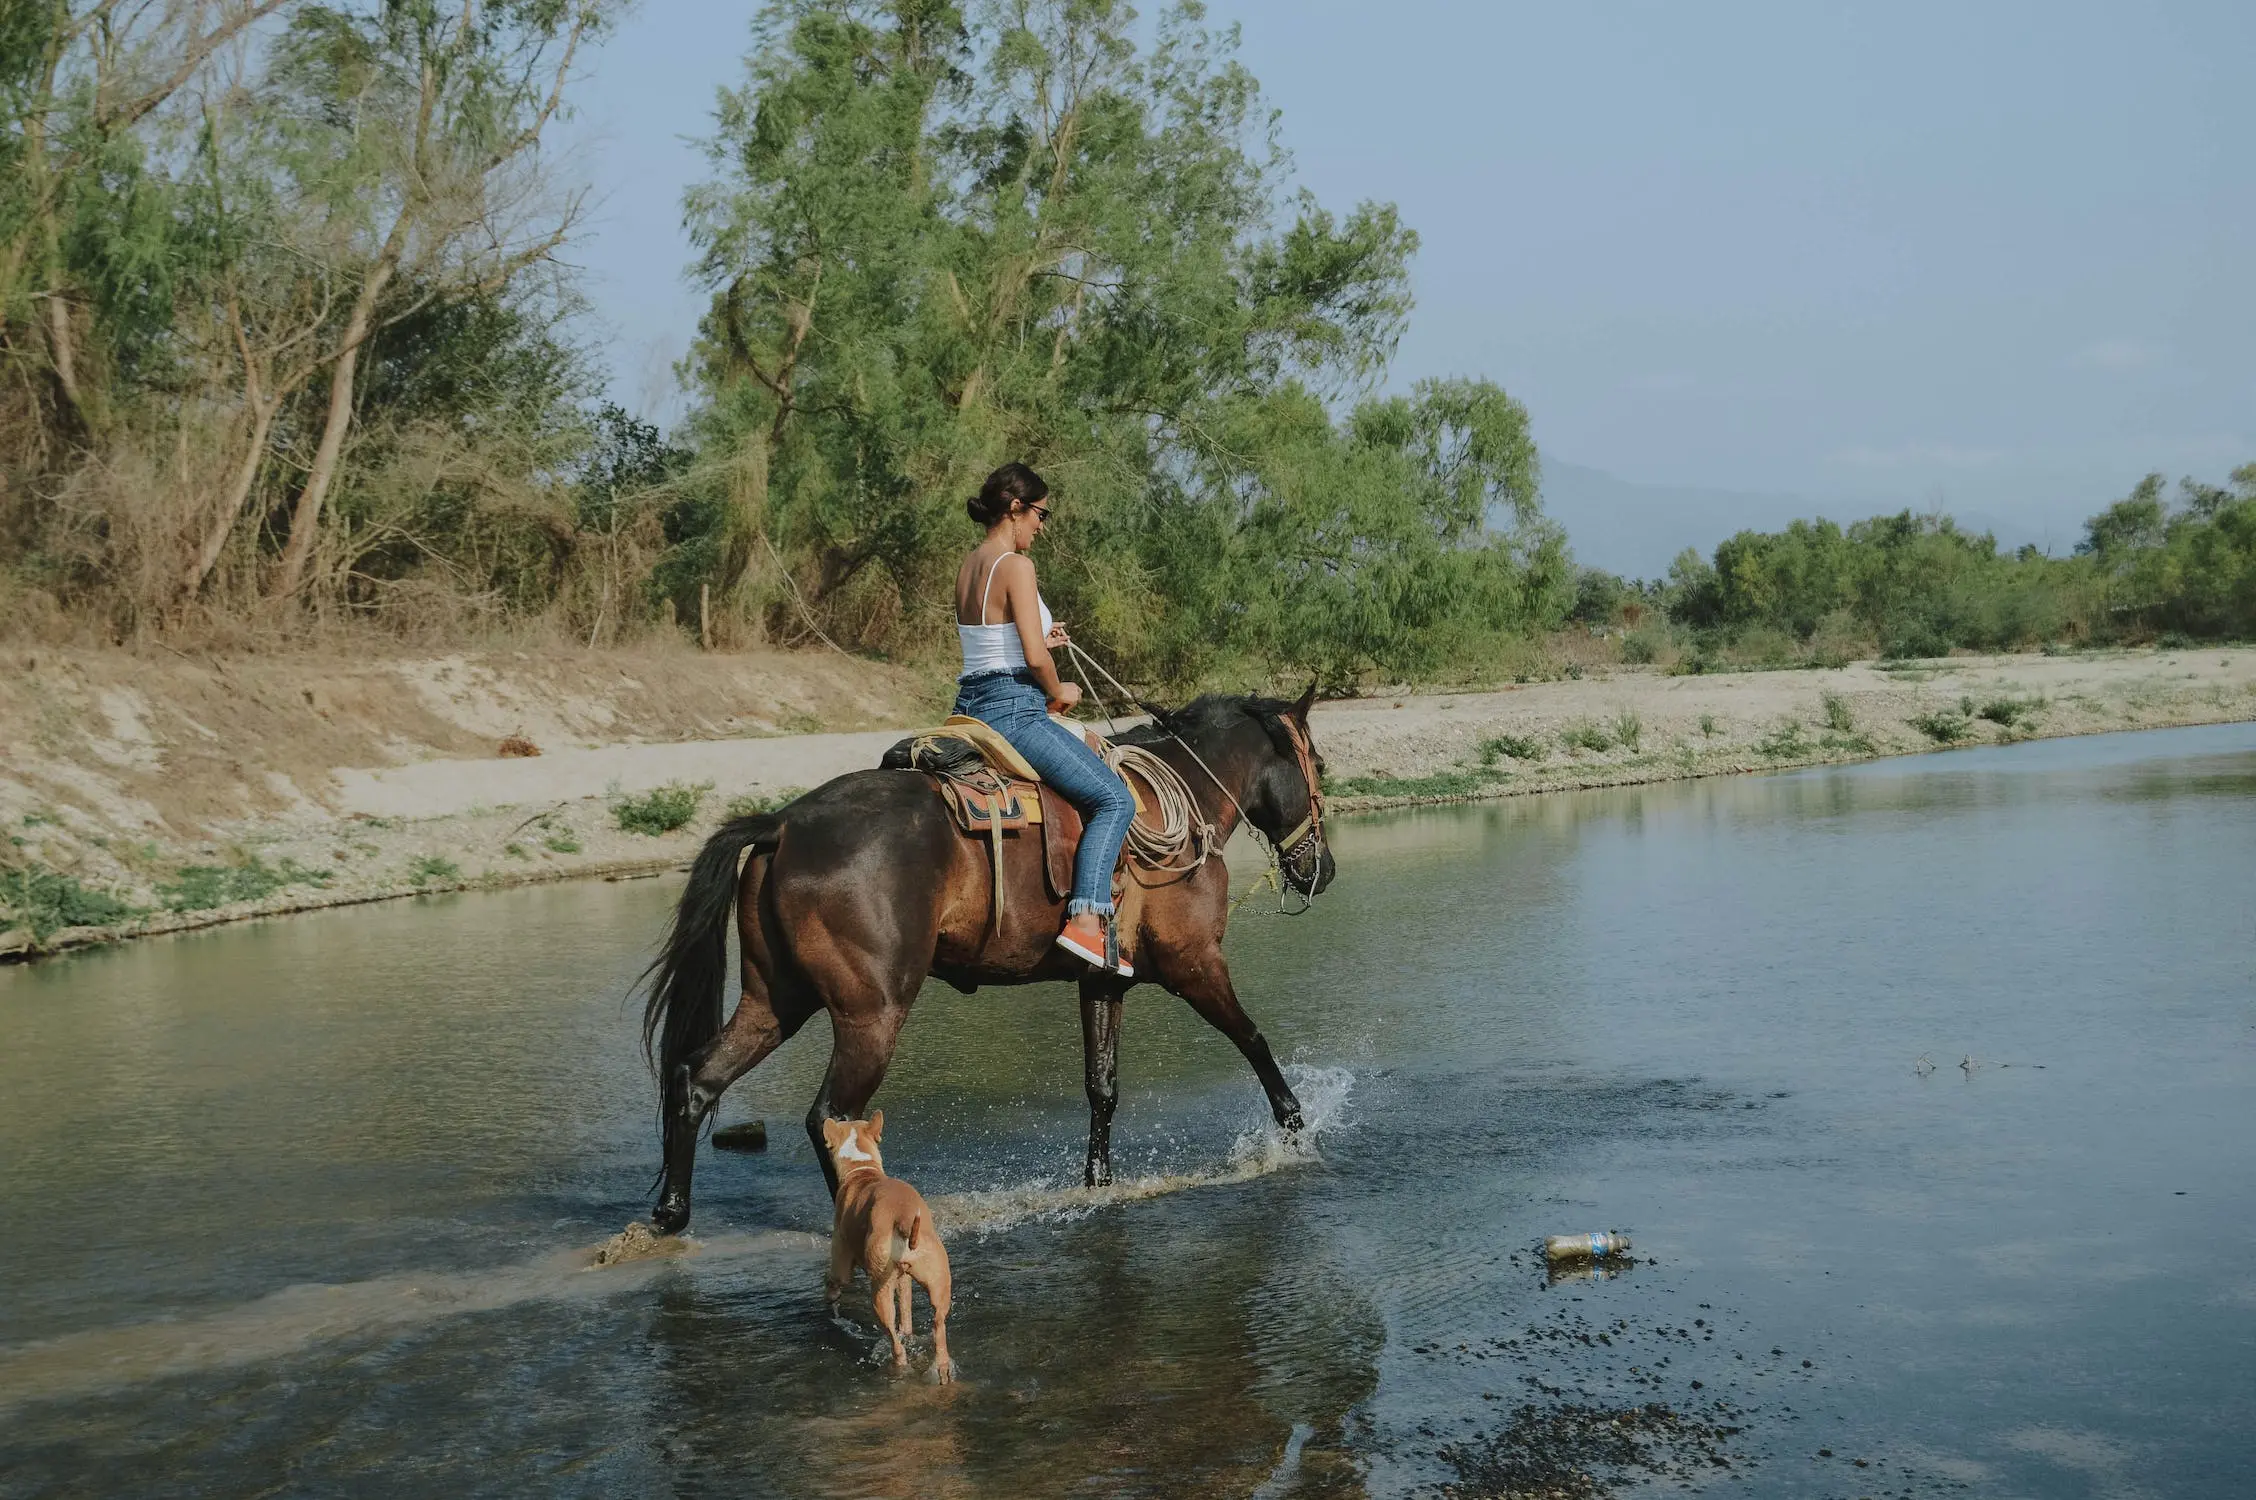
(1584, 735)
(203, 887)
(46, 902)
(433, 869)
(1942, 726)
(1629, 729)
(662, 809)
(561, 842)
(752, 806)
(2008, 711)
(1510, 747)
(1709, 729)
(1837, 715)
(1784, 742)
(1441, 784)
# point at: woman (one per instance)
(1010, 682)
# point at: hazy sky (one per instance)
(2000, 257)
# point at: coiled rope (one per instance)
(1180, 825)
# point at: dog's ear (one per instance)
(877, 1126)
(833, 1132)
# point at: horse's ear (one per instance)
(877, 1125)
(1307, 701)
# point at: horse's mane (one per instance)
(1212, 713)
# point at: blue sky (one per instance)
(1995, 257)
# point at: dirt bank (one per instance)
(149, 793)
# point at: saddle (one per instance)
(993, 793)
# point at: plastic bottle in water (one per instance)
(1603, 1245)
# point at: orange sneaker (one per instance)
(1096, 947)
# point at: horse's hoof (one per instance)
(1290, 1122)
(671, 1216)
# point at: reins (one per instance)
(1182, 825)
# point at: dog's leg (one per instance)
(888, 1313)
(841, 1273)
(939, 1287)
(903, 1289)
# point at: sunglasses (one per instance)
(1041, 512)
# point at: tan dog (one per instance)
(883, 1225)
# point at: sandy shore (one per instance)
(352, 782)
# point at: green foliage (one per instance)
(1584, 735)
(1787, 742)
(2009, 711)
(936, 244)
(753, 806)
(203, 887)
(562, 841)
(1838, 716)
(1460, 783)
(662, 809)
(1943, 726)
(433, 869)
(1708, 726)
(1512, 747)
(1921, 588)
(47, 901)
(1629, 729)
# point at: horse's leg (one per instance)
(1100, 1070)
(756, 1030)
(1206, 985)
(860, 1050)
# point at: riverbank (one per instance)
(143, 796)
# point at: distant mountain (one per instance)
(1637, 529)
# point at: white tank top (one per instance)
(995, 648)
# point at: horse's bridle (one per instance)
(1308, 834)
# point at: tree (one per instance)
(415, 131)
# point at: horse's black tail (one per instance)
(690, 974)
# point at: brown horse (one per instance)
(862, 887)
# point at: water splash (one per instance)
(1259, 1150)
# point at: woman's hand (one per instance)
(1069, 695)
(1056, 638)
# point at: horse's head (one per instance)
(1262, 748)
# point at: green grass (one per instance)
(433, 869)
(2008, 711)
(1785, 742)
(661, 809)
(561, 842)
(1709, 729)
(1510, 747)
(1838, 718)
(515, 851)
(1942, 726)
(1584, 735)
(47, 901)
(1629, 729)
(203, 887)
(1463, 783)
(749, 806)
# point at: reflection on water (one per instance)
(308, 1204)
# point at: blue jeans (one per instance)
(1011, 705)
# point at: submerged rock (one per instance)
(751, 1135)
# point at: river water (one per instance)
(303, 1207)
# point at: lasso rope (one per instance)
(1181, 823)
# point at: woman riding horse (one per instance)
(1010, 681)
(846, 900)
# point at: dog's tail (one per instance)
(914, 1220)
